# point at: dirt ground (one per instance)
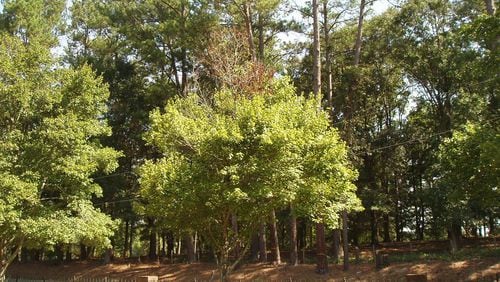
(482, 270)
(473, 269)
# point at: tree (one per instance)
(468, 175)
(50, 122)
(263, 151)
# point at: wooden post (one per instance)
(147, 279)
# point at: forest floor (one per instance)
(476, 262)
(466, 270)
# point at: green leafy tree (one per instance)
(244, 155)
(468, 172)
(50, 121)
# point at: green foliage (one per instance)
(50, 119)
(34, 21)
(243, 156)
(468, 172)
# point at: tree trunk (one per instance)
(184, 59)
(397, 218)
(125, 243)
(131, 238)
(184, 69)
(490, 7)
(316, 51)
(7, 258)
(108, 255)
(163, 251)
(234, 224)
(373, 227)
(254, 247)
(322, 262)
(58, 250)
(83, 252)
(301, 234)
(273, 242)
(336, 245)
(293, 239)
(152, 239)
(491, 224)
(68, 254)
(262, 243)
(386, 225)
(261, 38)
(249, 28)
(170, 246)
(191, 256)
(328, 64)
(455, 236)
(359, 33)
(345, 240)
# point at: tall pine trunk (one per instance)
(273, 242)
(328, 63)
(152, 239)
(316, 50)
(336, 245)
(249, 28)
(293, 238)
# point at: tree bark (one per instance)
(302, 234)
(359, 33)
(68, 257)
(490, 7)
(254, 247)
(163, 251)
(83, 252)
(152, 239)
(491, 224)
(7, 258)
(237, 247)
(328, 63)
(336, 245)
(322, 262)
(293, 239)
(260, 56)
(131, 238)
(249, 28)
(373, 227)
(108, 255)
(273, 242)
(191, 256)
(125, 243)
(58, 250)
(262, 243)
(316, 51)
(345, 240)
(386, 225)
(455, 236)
(170, 246)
